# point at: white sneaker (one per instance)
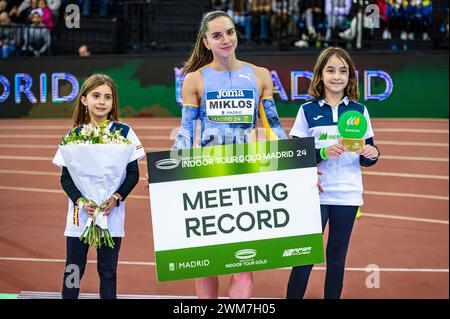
(425, 37)
(385, 35)
(301, 44)
(346, 35)
(305, 37)
(312, 32)
(403, 35)
(411, 36)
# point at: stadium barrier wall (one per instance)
(392, 84)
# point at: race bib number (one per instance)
(230, 106)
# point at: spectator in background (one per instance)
(281, 16)
(37, 37)
(220, 5)
(10, 6)
(292, 29)
(444, 26)
(3, 6)
(84, 50)
(240, 13)
(311, 24)
(337, 13)
(260, 12)
(418, 15)
(54, 6)
(12, 9)
(24, 10)
(396, 20)
(9, 36)
(86, 4)
(382, 6)
(358, 8)
(314, 17)
(47, 16)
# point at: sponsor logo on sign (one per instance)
(167, 163)
(297, 251)
(353, 120)
(246, 258)
(245, 254)
(189, 264)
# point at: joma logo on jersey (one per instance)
(230, 93)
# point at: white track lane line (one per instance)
(415, 219)
(414, 158)
(168, 127)
(41, 136)
(146, 197)
(22, 172)
(25, 158)
(405, 143)
(372, 173)
(375, 193)
(66, 128)
(152, 264)
(391, 174)
(386, 157)
(393, 194)
(55, 147)
(34, 146)
(167, 138)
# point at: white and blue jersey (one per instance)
(76, 220)
(341, 179)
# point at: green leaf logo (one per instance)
(323, 136)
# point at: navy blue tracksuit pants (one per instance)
(341, 220)
(107, 260)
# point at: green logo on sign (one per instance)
(352, 124)
(245, 254)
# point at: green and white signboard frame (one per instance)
(235, 208)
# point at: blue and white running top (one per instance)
(229, 105)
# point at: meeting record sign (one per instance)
(234, 208)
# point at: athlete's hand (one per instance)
(110, 204)
(319, 184)
(335, 150)
(145, 187)
(89, 208)
(368, 151)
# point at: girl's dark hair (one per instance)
(80, 113)
(200, 55)
(317, 89)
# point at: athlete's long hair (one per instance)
(200, 55)
(317, 89)
(81, 113)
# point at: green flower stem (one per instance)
(92, 235)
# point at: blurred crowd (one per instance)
(26, 25)
(319, 22)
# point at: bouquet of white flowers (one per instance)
(96, 159)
